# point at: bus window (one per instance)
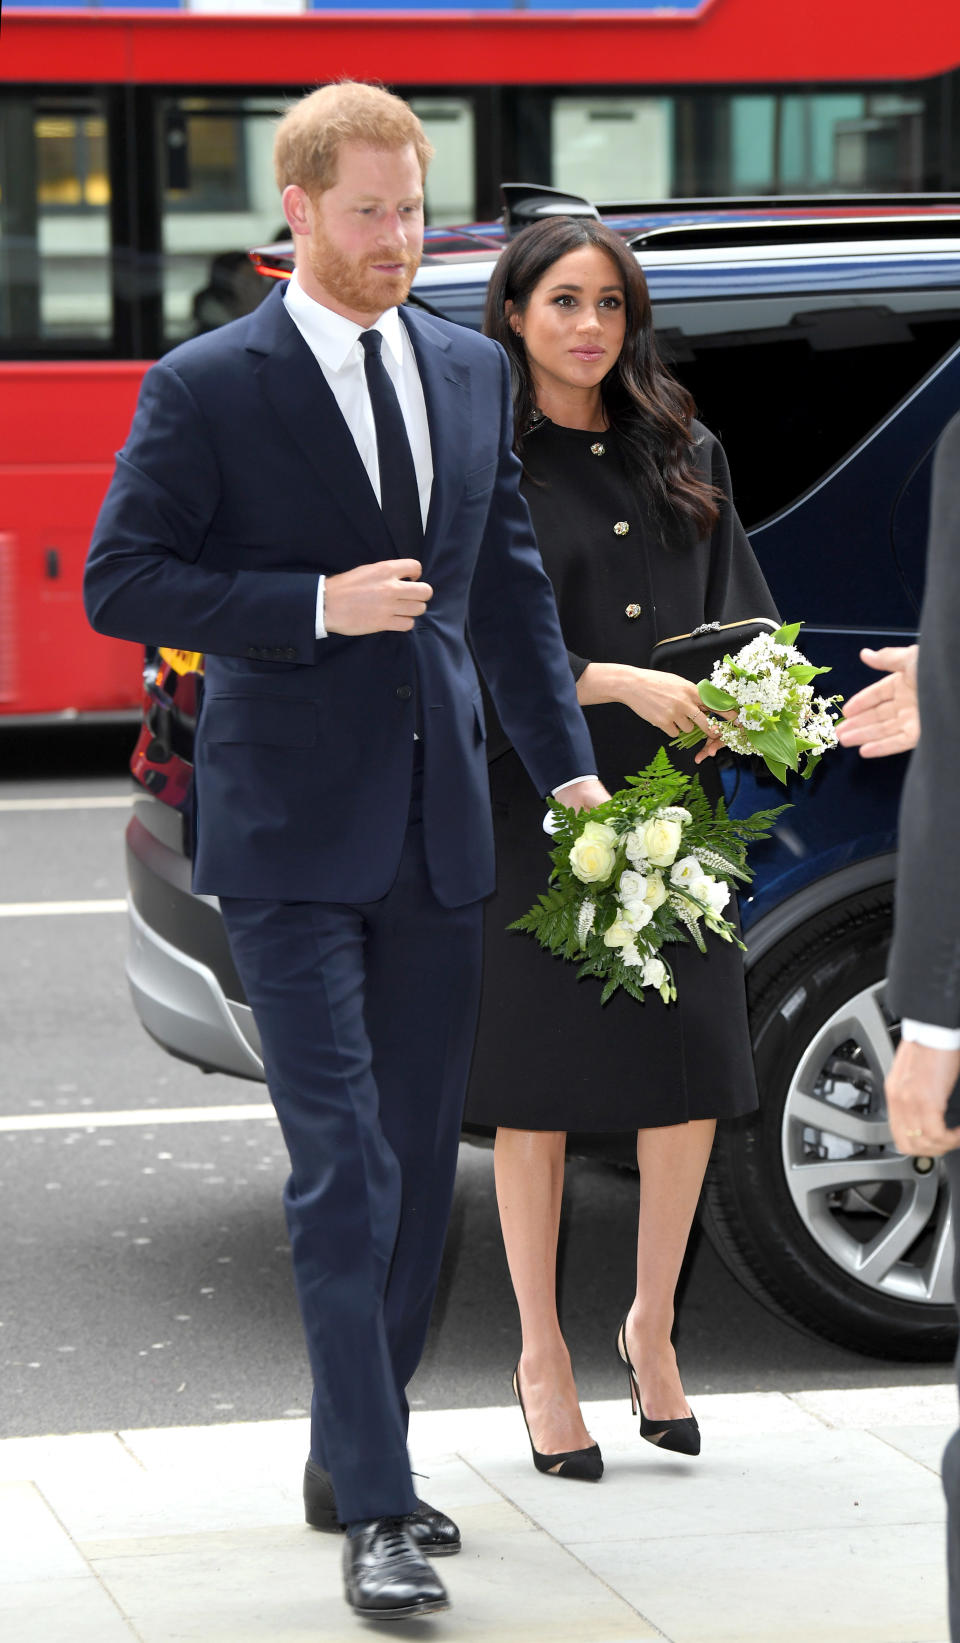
(219, 198)
(54, 222)
(451, 184)
(613, 148)
(808, 142)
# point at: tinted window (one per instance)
(790, 385)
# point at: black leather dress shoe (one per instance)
(432, 1531)
(386, 1577)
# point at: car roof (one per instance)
(691, 248)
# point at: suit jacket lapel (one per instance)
(297, 391)
(446, 393)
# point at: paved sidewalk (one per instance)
(813, 1518)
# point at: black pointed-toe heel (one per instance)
(681, 1436)
(583, 1465)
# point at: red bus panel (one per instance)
(51, 661)
(734, 42)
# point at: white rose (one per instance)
(636, 914)
(714, 893)
(686, 873)
(661, 840)
(633, 887)
(656, 891)
(635, 849)
(654, 972)
(618, 935)
(593, 855)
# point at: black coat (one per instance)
(548, 1056)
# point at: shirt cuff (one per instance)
(573, 782)
(321, 630)
(924, 1032)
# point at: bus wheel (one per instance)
(807, 1201)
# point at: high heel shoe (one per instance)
(584, 1465)
(681, 1436)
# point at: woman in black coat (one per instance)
(630, 498)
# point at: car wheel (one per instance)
(807, 1201)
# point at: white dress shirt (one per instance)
(926, 1032)
(334, 344)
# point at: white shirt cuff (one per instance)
(935, 1038)
(573, 782)
(321, 630)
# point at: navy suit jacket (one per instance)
(924, 967)
(238, 484)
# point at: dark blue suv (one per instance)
(821, 342)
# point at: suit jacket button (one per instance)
(404, 692)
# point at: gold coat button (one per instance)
(598, 449)
(621, 528)
(633, 611)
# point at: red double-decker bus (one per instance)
(135, 171)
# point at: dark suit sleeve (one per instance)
(515, 631)
(924, 979)
(145, 578)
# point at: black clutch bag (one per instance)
(693, 654)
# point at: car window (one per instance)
(791, 384)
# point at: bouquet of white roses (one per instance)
(768, 682)
(639, 871)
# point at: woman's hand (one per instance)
(665, 700)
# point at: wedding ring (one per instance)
(913, 1133)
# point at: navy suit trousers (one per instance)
(951, 1455)
(366, 1015)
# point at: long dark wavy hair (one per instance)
(650, 410)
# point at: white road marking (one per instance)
(115, 802)
(141, 1117)
(40, 909)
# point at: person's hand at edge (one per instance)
(883, 718)
(919, 1085)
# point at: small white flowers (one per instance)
(768, 683)
(586, 919)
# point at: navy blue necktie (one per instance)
(399, 492)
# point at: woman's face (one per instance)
(573, 325)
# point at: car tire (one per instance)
(806, 1201)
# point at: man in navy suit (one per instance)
(288, 486)
(921, 691)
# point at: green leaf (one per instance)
(777, 742)
(775, 769)
(787, 635)
(719, 700)
(803, 672)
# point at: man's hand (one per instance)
(919, 1085)
(585, 795)
(381, 598)
(884, 718)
